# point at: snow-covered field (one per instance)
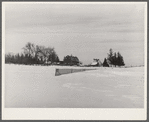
(37, 86)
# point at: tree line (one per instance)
(33, 54)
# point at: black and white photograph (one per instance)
(71, 57)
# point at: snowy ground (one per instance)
(37, 86)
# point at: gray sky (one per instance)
(84, 30)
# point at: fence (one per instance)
(67, 71)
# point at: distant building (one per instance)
(71, 60)
(96, 62)
(41, 57)
(60, 63)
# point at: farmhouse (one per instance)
(96, 62)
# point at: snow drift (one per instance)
(38, 87)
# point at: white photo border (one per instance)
(73, 113)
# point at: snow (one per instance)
(94, 63)
(38, 87)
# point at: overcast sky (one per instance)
(84, 30)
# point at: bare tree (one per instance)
(30, 49)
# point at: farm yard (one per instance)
(38, 87)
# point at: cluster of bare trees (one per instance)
(33, 54)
